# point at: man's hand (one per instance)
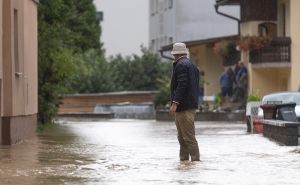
(173, 108)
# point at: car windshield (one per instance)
(283, 98)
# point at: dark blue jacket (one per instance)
(226, 80)
(185, 84)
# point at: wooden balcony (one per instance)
(279, 52)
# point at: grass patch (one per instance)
(41, 127)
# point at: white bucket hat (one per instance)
(179, 48)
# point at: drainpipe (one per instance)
(165, 56)
(228, 16)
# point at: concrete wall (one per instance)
(186, 21)
(18, 128)
(198, 20)
(1, 68)
(295, 35)
(87, 102)
(8, 73)
(161, 23)
(31, 57)
(19, 58)
(1, 62)
(1, 12)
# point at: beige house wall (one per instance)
(214, 68)
(295, 35)
(281, 23)
(1, 12)
(1, 59)
(20, 81)
(260, 80)
(1, 68)
(30, 57)
(7, 58)
(211, 64)
(19, 70)
(18, 58)
(250, 28)
(268, 80)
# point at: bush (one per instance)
(253, 97)
(163, 97)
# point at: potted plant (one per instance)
(228, 52)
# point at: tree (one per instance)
(67, 29)
(94, 75)
(138, 72)
(163, 97)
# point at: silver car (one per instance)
(282, 97)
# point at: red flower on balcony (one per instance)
(249, 43)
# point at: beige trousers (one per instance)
(186, 135)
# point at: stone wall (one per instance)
(283, 132)
(163, 115)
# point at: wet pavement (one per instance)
(136, 152)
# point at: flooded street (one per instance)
(136, 152)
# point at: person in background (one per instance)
(226, 83)
(236, 69)
(201, 86)
(235, 88)
(241, 79)
(184, 101)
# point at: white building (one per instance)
(186, 20)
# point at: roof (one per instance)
(201, 42)
(228, 2)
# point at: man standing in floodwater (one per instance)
(184, 101)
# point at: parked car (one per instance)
(282, 97)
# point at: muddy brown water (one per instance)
(137, 152)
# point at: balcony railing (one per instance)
(279, 51)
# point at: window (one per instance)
(161, 6)
(152, 44)
(152, 7)
(156, 6)
(170, 4)
(161, 29)
(267, 29)
(166, 4)
(170, 40)
(16, 41)
(99, 16)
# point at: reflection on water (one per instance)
(146, 152)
